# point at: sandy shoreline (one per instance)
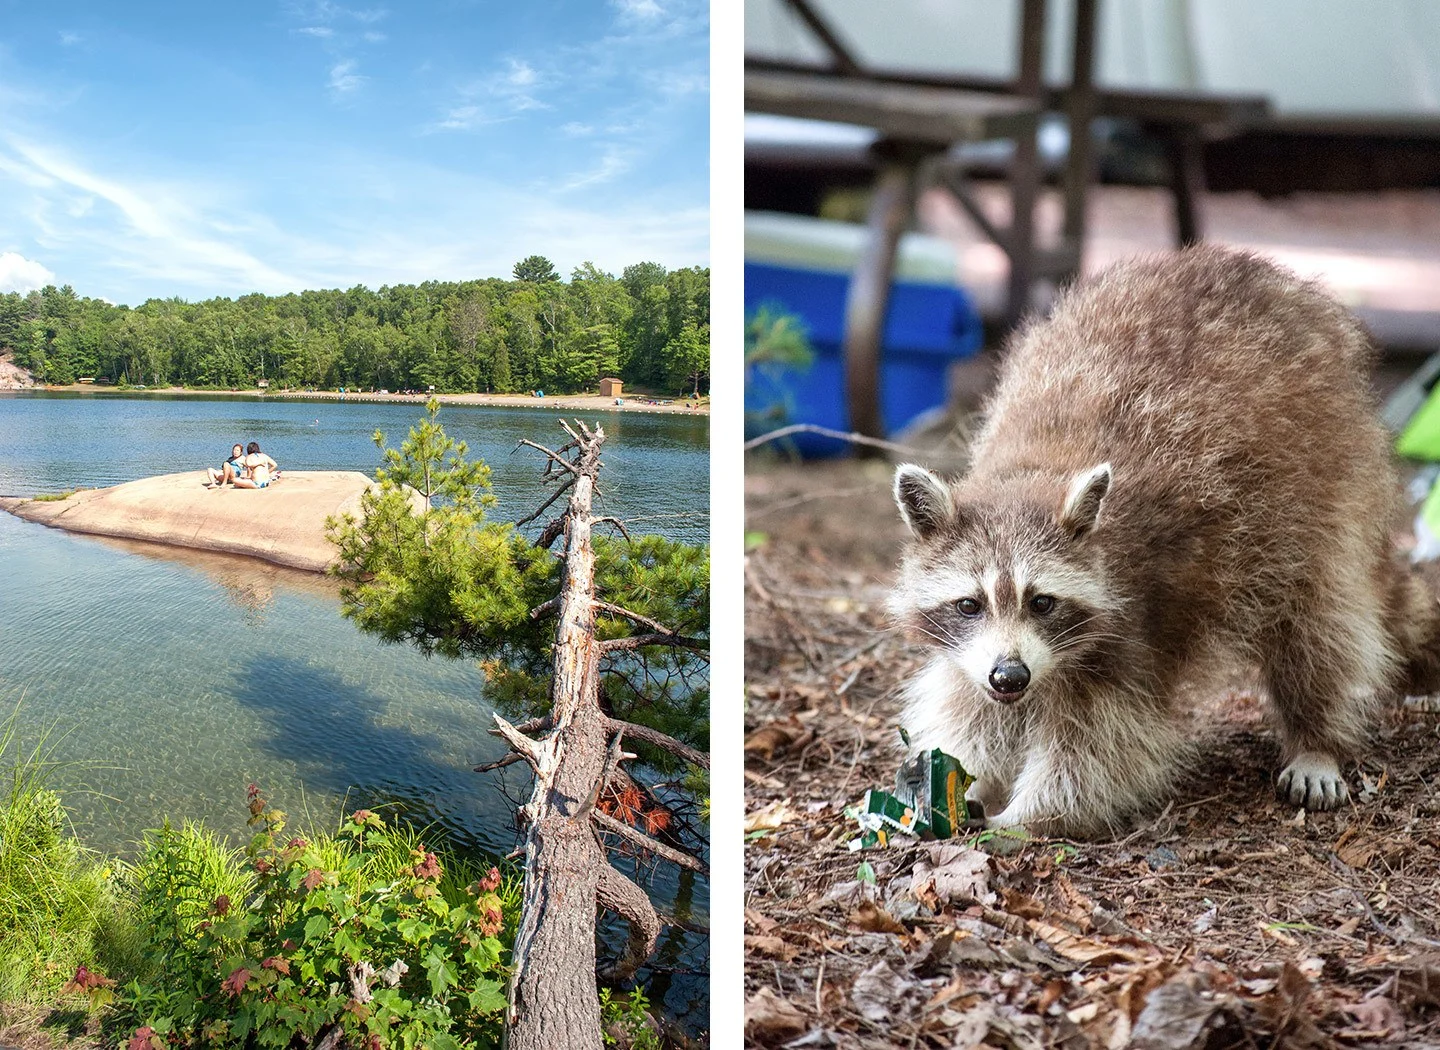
(567, 402)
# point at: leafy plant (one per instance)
(627, 1021)
(360, 935)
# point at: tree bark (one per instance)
(554, 1000)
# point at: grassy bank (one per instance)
(359, 933)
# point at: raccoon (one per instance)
(1180, 475)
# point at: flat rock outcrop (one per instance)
(284, 523)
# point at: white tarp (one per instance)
(1309, 57)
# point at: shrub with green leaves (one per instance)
(361, 935)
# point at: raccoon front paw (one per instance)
(992, 794)
(1312, 780)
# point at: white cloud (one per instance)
(323, 32)
(344, 79)
(158, 230)
(521, 74)
(19, 274)
(638, 10)
(68, 39)
(373, 37)
(577, 129)
(462, 118)
(613, 162)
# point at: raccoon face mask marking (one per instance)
(1006, 588)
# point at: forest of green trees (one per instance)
(649, 327)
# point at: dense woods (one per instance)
(650, 327)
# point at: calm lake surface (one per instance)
(173, 679)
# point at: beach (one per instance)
(564, 402)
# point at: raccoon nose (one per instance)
(1009, 676)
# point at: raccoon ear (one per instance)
(1082, 503)
(924, 500)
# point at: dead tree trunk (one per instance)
(554, 1001)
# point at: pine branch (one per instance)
(637, 837)
(612, 759)
(639, 641)
(633, 617)
(545, 607)
(620, 895)
(661, 740)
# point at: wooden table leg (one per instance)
(1186, 151)
(890, 211)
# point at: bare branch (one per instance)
(645, 842)
(639, 641)
(617, 523)
(545, 607)
(550, 533)
(508, 760)
(629, 901)
(634, 617)
(661, 740)
(553, 497)
(839, 435)
(555, 457)
(612, 759)
(518, 741)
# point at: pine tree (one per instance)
(601, 649)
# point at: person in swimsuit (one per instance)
(232, 470)
(260, 468)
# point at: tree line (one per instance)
(649, 327)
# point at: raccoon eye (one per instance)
(1042, 604)
(968, 607)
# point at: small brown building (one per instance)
(610, 388)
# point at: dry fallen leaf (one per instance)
(877, 990)
(766, 944)
(872, 918)
(952, 873)
(1175, 1017)
(770, 1019)
(769, 818)
(778, 736)
(1082, 949)
(1378, 1015)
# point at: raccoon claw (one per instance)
(1313, 780)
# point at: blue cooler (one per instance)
(800, 265)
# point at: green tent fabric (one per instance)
(1421, 437)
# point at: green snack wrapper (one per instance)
(928, 802)
(934, 784)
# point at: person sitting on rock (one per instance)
(232, 470)
(260, 468)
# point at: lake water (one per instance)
(172, 679)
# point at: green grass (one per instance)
(54, 497)
(57, 901)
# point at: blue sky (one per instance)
(200, 149)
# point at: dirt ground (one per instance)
(1229, 919)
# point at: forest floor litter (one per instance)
(1227, 919)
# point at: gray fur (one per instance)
(1186, 457)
